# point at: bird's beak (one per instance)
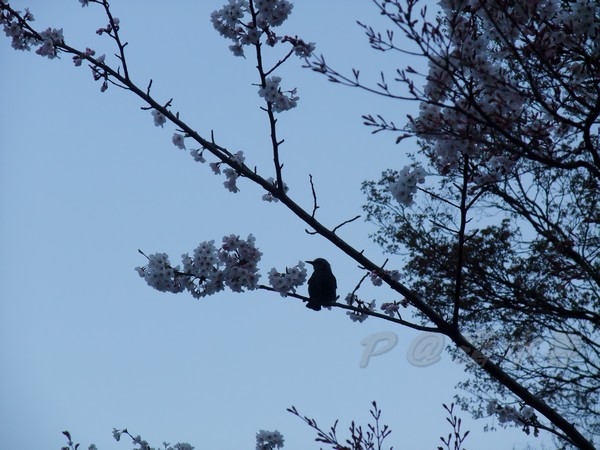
(310, 262)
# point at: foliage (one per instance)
(510, 237)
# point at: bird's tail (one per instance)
(313, 305)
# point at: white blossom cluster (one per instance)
(405, 185)
(160, 275)
(99, 72)
(114, 25)
(178, 446)
(273, 94)
(265, 440)
(204, 265)
(50, 38)
(304, 50)
(21, 40)
(272, 12)
(448, 152)
(377, 281)
(208, 270)
(496, 168)
(159, 118)
(137, 440)
(178, 139)
(268, 197)
(117, 434)
(391, 309)
(240, 258)
(289, 280)
(229, 22)
(481, 39)
(198, 155)
(77, 60)
(24, 40)
(351, 300)
(581, 18)
(269, 440)
(231, 175)
(508, 414)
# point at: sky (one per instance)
(86, 180)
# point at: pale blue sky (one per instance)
(86, 179)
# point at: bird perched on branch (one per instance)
(322, 285)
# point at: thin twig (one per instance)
(345, 223)
(314, 194)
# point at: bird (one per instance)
(322, 285)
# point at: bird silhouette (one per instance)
(322, 285)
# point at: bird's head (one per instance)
(319, 263)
